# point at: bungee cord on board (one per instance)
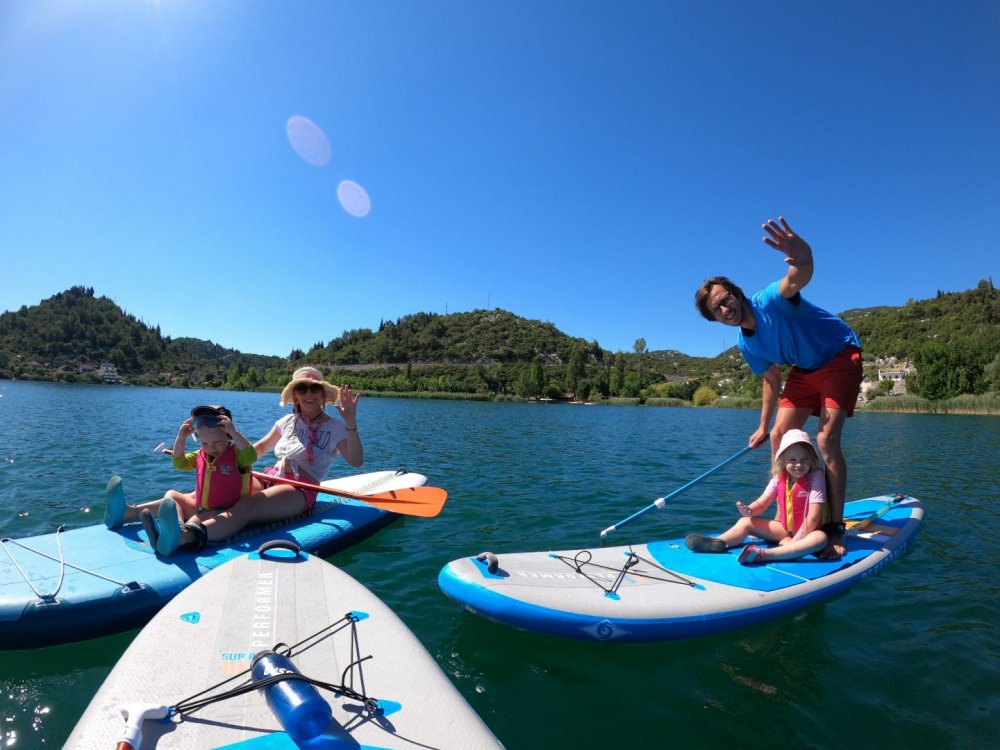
(372, 705)
(628, 568)
(126, 586)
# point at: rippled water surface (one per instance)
(906, 659)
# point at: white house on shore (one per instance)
(108, 373)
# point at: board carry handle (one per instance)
(661, 501)
(279, 544)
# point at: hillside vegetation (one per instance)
(953, 340)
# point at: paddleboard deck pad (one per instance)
(92, 581)
(338, 631)
(663, 591)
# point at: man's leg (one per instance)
(787, 419)
(831, 427)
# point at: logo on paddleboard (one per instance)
(604, 630)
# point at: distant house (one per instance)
(108, 373)
(898, 376)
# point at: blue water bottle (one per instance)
(299, 707)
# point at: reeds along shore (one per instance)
(984, 404)
(987, 404)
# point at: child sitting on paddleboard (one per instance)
(798, 483)
(223, 465)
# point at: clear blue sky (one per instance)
(582, 162)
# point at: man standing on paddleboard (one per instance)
(777, 327)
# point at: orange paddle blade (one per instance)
(424, 501)
(413, 501)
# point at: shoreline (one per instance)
(943, 408)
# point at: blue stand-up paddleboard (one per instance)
(662, 590)
(88, 582)
(386, 691)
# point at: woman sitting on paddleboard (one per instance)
(799, 484)
(305, 443)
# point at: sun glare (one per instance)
(354, 198)
(308, 140)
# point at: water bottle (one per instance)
(299, 707)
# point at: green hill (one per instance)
(953, 339)
(68, 335)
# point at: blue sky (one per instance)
(583, 162)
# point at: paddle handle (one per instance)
(308, 486)
(657, 504)
(661, 501)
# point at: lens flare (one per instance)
(354, 199)
(308, 140)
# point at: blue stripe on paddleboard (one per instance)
(726, 569)
(518, 614)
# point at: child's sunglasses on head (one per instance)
(308, 388)
(205, 421)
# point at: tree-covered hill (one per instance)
(902, 331)
(953, 339)
(73, 332)
(480, 336)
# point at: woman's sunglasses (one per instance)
(308, 388)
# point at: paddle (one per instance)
(424, 501)
(661, 501)
(857, 527)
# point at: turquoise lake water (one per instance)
(906, 659)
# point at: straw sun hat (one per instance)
(309, 375)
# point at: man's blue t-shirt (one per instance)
(792, 332)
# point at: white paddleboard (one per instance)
(210, 632)
(662, 591)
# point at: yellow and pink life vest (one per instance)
(793, 502)
(220, 483)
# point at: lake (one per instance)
(906, 659)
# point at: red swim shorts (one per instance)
(835, 385)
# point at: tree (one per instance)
(705, 396)
(537, 376)
(576, 368)
(640, 348)
(618, 378)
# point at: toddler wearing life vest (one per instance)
(223, 464)
(798, 483)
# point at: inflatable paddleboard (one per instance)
(88, 582)
(392, 692)
(663, 591)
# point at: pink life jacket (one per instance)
(220, 483)
(792, 511)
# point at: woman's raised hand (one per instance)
(347, 407)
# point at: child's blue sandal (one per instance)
(114, 509)
(170, 528)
